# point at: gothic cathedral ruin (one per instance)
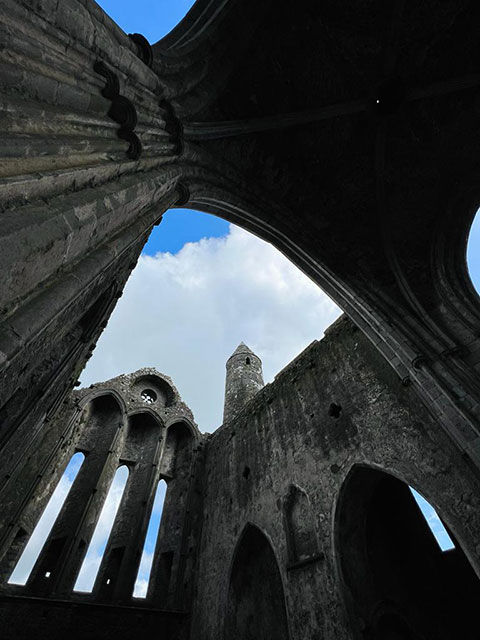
(345, 134)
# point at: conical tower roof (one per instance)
(243, 381)
(243, 349)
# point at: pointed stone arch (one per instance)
(255, 603)
(154, 390)
(396, 581)
(102, 398)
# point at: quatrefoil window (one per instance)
(148, 396)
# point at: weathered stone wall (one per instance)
(337, 405)
(138, 420)
(269, 523)
(77, 201)
(74, 216)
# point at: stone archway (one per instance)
(256, 604)
(398, 583)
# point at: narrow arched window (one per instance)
(435, 525)
(30, 554)
(91, 563)
(247, 361)
(143, 576)
(473, 253)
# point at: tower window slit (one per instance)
(96, 549)
(145, 567)
(37, 540)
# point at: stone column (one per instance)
(164, 590)
(118, 571)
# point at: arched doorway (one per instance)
(256, 603)
(398, 583)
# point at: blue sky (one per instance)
(183, 225)
(473, 252)
(46, 522)
(441, 535)
(207, 286)
(152, 18)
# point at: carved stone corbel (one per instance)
(121, 110)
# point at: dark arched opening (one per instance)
(398, 583)
(256, 603)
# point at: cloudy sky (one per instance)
(201, 287)
(187, 305)
(185, 313)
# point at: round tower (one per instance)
(243, 380)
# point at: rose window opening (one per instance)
(148, 396)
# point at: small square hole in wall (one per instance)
(334, 410)
(48, 574)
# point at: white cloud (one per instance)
(186, 313)
(141, 583)
(141, 588)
